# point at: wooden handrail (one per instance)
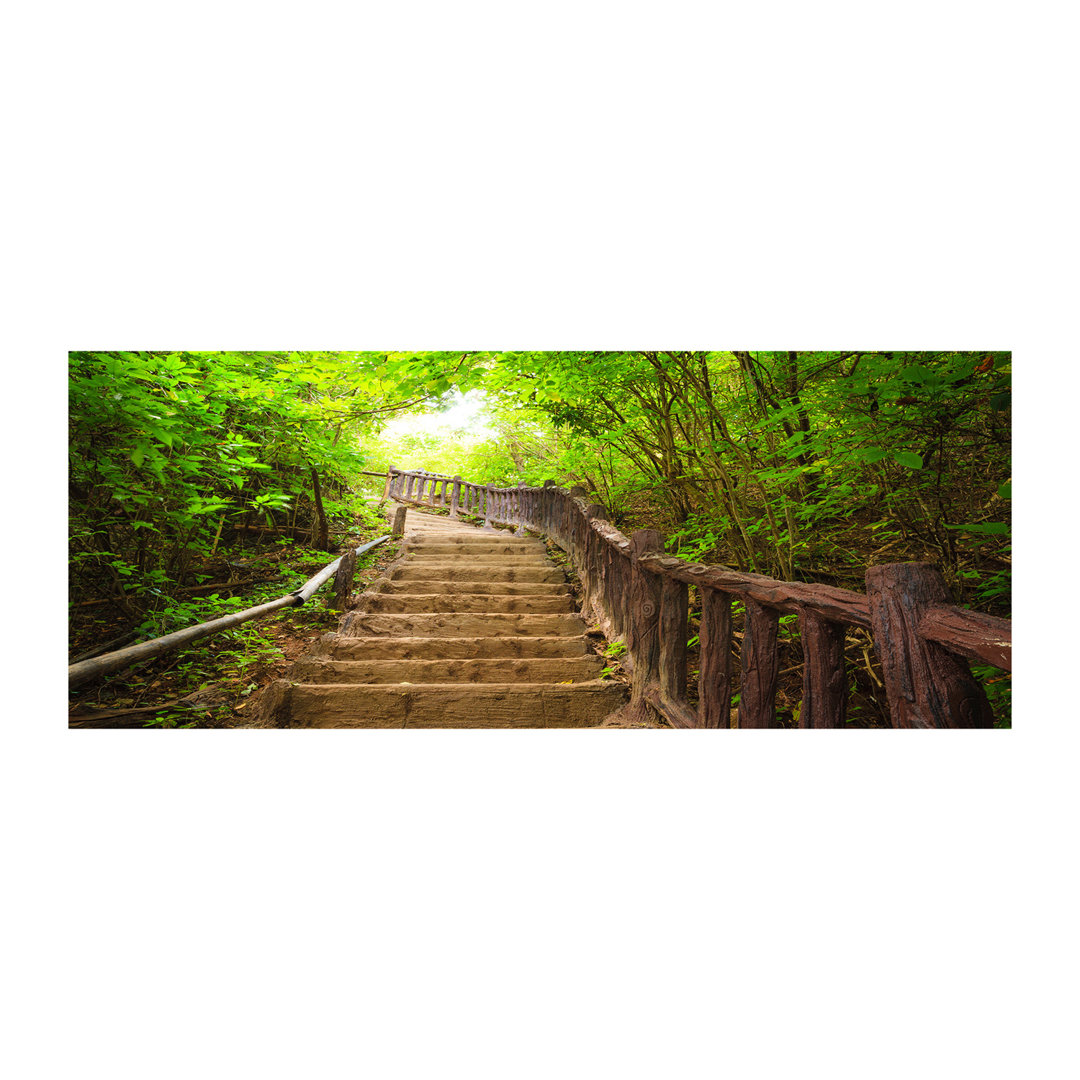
(921, 638)
(122, 658)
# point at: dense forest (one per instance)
(204, 481)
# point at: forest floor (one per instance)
(213, 683)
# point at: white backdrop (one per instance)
(539, 904)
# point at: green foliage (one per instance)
(998, 687)
(171, 455)
(801, 465)
(775, 462)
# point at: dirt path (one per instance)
(470, 628)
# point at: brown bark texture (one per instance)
(824, 700)
(927, 686)
(760, 667)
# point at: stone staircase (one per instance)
(471, 628)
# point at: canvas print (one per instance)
(540, 539)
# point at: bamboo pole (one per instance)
(122, 658)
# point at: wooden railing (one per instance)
(341, 570)
(639, 595)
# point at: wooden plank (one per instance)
(971, 634)
(837, 605)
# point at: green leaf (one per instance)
(994, 528)
(916, 373)
(138, 454)
(870, 454)
(1005, 491)
(912, 461)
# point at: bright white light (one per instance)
(465, 414)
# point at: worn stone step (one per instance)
(447, 705)
(554, 670)
(502, 588)
(476, 547)
(465, 570)
(462, 624)
(428, 524)
(339, 647)
(469, 535)
(418, 603)
(415, 558)
(466, 534)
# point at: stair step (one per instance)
(462, 624)
(473, 628)
(449, 648)
(487, 705)
(476, 547)
(554, 670)
(466, 570)
(426, 586)
(419, 603)
(417, 558)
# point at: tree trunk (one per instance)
(322, 539)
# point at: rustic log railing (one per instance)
(637, 594)
(341, 569)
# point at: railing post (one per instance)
(574, 522)
(643, 633)
(760, 667)
(714, 680)
(674, 611)
(489, 510)
(519, 515)
(549, 507)
(389, 481)
(343, 581)
(927, 686)
(593, 598)
(824, 700)
(455, 497)
(399, 522)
